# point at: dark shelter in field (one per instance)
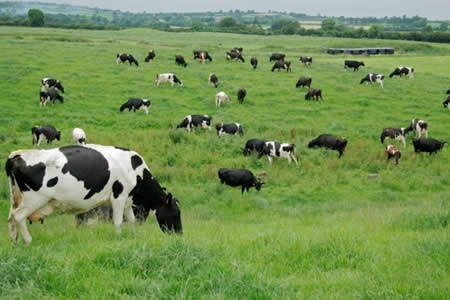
(360, 51)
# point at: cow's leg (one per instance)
(270, 159)
(293, 157)
(15, 197)
(242, 190)
(25, 209)
(118, 206)
(129, 216)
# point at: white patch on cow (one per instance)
(144, 108)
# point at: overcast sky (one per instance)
(432, 9)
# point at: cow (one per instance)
(372, 77)
(79, 136)
(123, 57)
(395, 134)
(353, 64)
(329, 141)
(277, 56)
(254, 62)
(202, 55)
(232, 129)
(393, 152)
(304, 81)
(315, 94)
(419, 127)
(75, 179)
(448, 92)
(236, 56)
(213, 80)
(253, 145)
(400, 71)
(241, 93)
(179, 60)
(237, 50)
(47, 131)
(240, 177)
(281, 64)
(275, 149)
(50, 82)
(150, 56)
(48, 95)
(307, 60)
(167, 77)
(427, 145)
(136, 104)
(446, 103)
(191, 121)
(221, 97)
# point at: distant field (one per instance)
(320, 230)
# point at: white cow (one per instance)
(167, 77)
(78, 136)
(221, 97)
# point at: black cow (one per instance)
(393, 152)
(136, 104)
(191, 121)
(253, 145)
(427, 145)
(315, 94)
(179, 60)
(239, 177)
(150, 56)
(400, 71)
(446, 103)
(277, 56)
(213, 80)
(232, 129)
(282, 65)
(48, 132)
(123, 57)
(330, 142)
(254, 62)
(235, 55)
(51, 94)
(304, 81)
(353, 64)
(241, 95)
(395, 134)
(50, 82)
(307, 60)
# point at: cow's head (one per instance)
(35, 132)
(258, 184)
(361, 63)
(169, 216)
(219, 126)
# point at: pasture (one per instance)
(319, 230)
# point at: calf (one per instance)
(353, 64)
(48, 132)
(79, 136)
(221, 97)
(400, 71)
(239, 177)
(241, 95)
(275, 149)
(393, 152)
(281, 64)
(307, 60)
(254, 62)
(427, 145)
(232, 129)
(304, 81)
(202, 55)
(419, 127)
(329, 141)
(51, 94)
(315, 94)
(179, 60)
(277, 56)
(213, 80)
(371, 77)
(395, 134)
(446, 103)
(167, 77)
(50, 82)
(123, 57)
(150, 56)
(191, 121)
(236, 56)
(136, 104)
(253, 145)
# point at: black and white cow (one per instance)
(237, 50)
(150, 56)
(221, 98)
(304, 81)
(372, 77)
(202, 55)
(179, 60)
(281, 64)
(48, 132)
(213, 80)
(235, 55)
(79, 136)
(306, 60)
(254, 62)
(52, 83)
(419, 127)
(136, 104)
(329, 141)
(427, 145)
(241, 93)
(123, 57)
(232, 129)
(275, 149)
(446, 103)
(254, 145)
(277, 56)
(400, 71)
(191, 121)
(167, 77)
(393, 152)
(398, 134)
(239, 177)
(315, 94)
(48, 95)
(353, 64)
(75, 179)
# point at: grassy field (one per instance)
(320, 230)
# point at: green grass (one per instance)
(319, 230)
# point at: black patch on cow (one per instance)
(136, 161)
(87, 165)
(117, 188)
(27, 177)
(52, 182)
(147, 192)
(123, 149)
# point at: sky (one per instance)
(432, 9)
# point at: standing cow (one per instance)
(240, 177)
(221, 97)
(191, 121)
(353, 64)
(427, 145)
(47, 132)
(446, 103)
(371, 77)
(329, 141)
(419, 127)
(202, 55)
(52, 83)
(179, 60)
(281, 64)
(48, 95)
(395, 134)
(254, 62)
(277, 56)
(275, 149)
(136, 104)
(400, 71)
(168, 77)
(150, 56)
(253, 145)
(393, 152)
(123, 57)
(231, 129)
(307, 60)
(303, 82)
(241, 95)
(213, 80)
(315, 94)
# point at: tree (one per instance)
(36, 17)
(328, 25)
(227, 22)
(443, 26)
(427, 28)
(375, 31)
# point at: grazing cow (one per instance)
(281, 64)
(48, 132)
(213, 80)
(136, 104)
(400, 71)
(239, 177)
(371, 77)
(307, 60)
(419, 127)
(179, 60)
(202, 55)
(394, 134)
(236, 56)
(51, 94)
(50, 82)
(275, 149)
(277, 56)
(254, 145)
(427, 145)
(446, 103)
(75, 179)
(237, 50)
(191, 121)
(233, 129)
(304, 81)
(78, 136)
(221, 97)
(353, 64)
(167, 77)
(254, 62)
(123, 57)
(241, 93)
(315, 94)
(150, 56)
(329, 141)
(393, 152)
